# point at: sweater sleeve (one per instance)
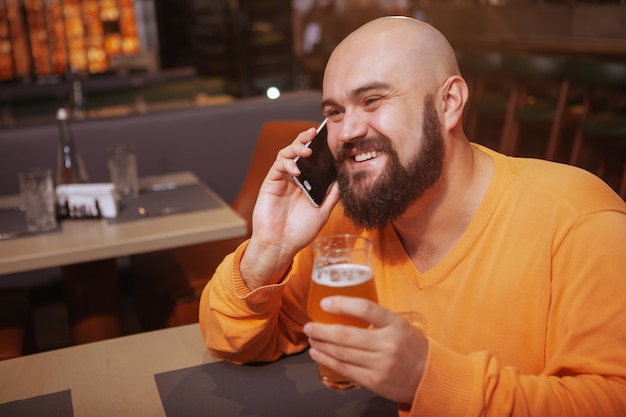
(242, 326)
(481, 387)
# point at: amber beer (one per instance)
(342, 267)
(342, 279)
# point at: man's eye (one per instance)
(371, 100)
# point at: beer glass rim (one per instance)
(358, 242)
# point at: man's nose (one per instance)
(352, 127)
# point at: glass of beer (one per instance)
(342, 266)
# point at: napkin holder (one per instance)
(79, 201)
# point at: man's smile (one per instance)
(365, 156)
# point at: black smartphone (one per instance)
(318, 171)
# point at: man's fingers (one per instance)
(367, 310)
(297, 147)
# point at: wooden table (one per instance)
(170, 373)
(91, 240)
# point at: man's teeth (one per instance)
(365, 156)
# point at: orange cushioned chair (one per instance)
(179, 275)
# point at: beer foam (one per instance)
(342, 275)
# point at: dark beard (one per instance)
(390, 195)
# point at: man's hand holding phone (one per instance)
(284, 219)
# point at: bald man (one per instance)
(500, 280)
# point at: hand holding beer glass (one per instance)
(342, 266)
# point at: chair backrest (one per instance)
(273, 136)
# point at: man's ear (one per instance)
(455, 96)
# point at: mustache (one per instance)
(378, 142)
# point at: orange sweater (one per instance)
(525, 316)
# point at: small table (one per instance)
(86, 240)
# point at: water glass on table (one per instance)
(122, 163)
(342, 266)
(38, 196)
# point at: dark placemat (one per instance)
(12, 220)
(13, 224)
(182, 199)
(58, 404)
(286, 388)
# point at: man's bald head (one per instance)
(395, 44)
